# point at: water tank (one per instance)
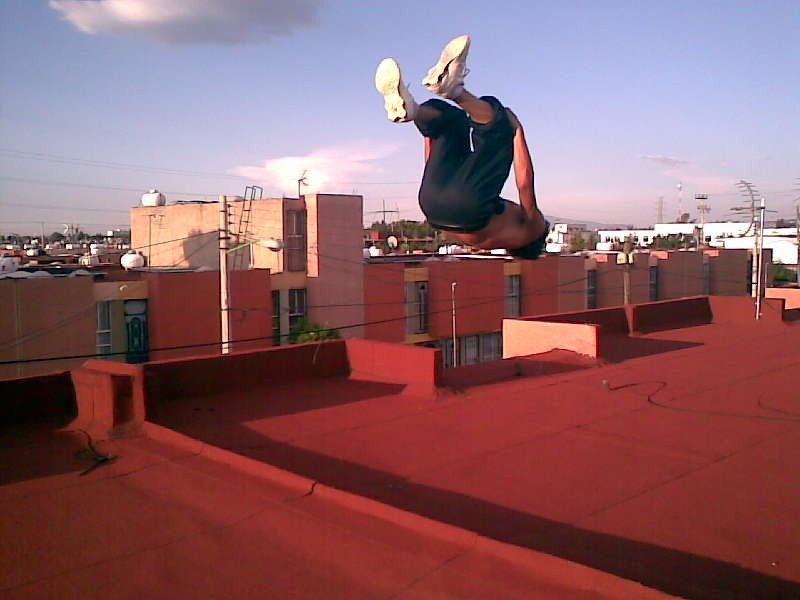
(132, 260)
(154, 198)
(8, 264)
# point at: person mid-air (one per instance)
(469, 150)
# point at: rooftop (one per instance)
(668, 460)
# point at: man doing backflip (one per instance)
(468, 154)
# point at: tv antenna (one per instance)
(301, 181)
(751, 192)
(703, 207)
(383, 211)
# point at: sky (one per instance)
(623, 102)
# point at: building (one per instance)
(158, 312)
(317, 275)
(134, 316)
(413, 300)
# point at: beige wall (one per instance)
(335, 261)
(791, 295)
(44, 318)
(153, 230)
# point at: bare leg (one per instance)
(478, 110)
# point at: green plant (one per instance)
(305, 331)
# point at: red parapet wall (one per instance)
(611, 320)
(670, 314)
(114, 398)
(742, 309)
(418, 368)
(202, 376)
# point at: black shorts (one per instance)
(467, 167)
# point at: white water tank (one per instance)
(8, 264)
(132, 260)
(154, 198)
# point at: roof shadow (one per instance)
(672, 571)
(496, 371)
(274, 399)
(618, 348)
(35, 451)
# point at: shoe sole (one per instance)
(388, 82)
(456, 48)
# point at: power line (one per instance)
(84, 162)
(95, 187)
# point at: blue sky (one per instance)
(621, 101)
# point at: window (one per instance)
(469, 350)
(297, 306)
(447, 353)
(491, 346)
(512, 296)
(416, 307)
(103, 332)
(295, 250)
(276, 317)
(472, 349)
(591, 288)
(653, 283)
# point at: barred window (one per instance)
(512, 296)
(297, 306)
(416, 307)
(103, 331)
(276, 317)
(295, 249)
(591, 289)
(653, 283)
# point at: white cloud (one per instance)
(191, 21)
(326, 169)
(667, 161)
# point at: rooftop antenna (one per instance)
(301, 181)
(750, 191)
(703, 207)
(680, 200)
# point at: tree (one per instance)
(305, 331)
(783, 274)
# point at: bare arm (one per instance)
(427, 148)
(523, 169)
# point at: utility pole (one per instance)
(455, 339)
(224, 288)
(627, 250)
(797, 230)
(760, 285)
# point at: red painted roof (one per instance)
(673, 463)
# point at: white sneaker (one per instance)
(446, 78)
(400, 104)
